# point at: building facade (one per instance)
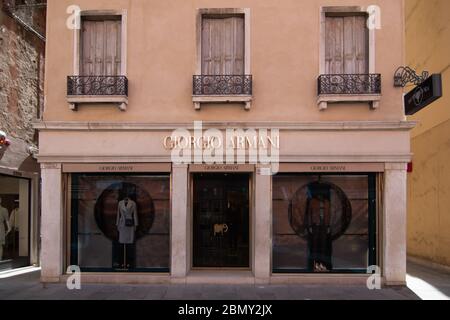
(22, 53)
(429, 182)
(224, 141)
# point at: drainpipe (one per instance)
(9, 9)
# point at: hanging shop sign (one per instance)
(423, 95)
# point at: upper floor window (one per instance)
(99, 60)
(100, 53)
(347, 58)
(223, 57)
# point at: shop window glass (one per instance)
(120, 222)
(14, 222)
(323, 223)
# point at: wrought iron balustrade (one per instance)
(210, 85)
(349, 84)
(97, 86)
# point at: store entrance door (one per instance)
(221, 221)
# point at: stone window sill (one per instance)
(324, 99)
(121, 101)
(245, 99)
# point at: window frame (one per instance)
(121, 101)
(247, 54)
(323, 100)
(373, 254)
(72, 256)
(77, 38)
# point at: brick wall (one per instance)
(21, 75)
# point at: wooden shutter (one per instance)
(101, 47)
(346, 45)
(223, 46)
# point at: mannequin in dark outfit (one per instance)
(318, 226)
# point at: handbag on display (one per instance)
(129, 222)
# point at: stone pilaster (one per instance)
(179, 222)
(51, 223)
(263, 225)
(394, 224)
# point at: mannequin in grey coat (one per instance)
(4, 220)
(127, 209)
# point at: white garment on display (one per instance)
(14, 220)
(127, 210)
(4, 219)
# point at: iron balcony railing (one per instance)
(210, 85)
(97, 86)
(349, 84)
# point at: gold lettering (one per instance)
(168, 143)
(240, 142)
(276, 143)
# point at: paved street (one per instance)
(426, 283)
(28, 287)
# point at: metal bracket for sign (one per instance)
(405, 75)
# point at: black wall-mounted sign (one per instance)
(423, 95)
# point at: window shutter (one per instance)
(361, 40)
(101, 47)
(112, 48)
(334, 55)
(346, 45)
(88, 48)
(239, 45)
(223, 46)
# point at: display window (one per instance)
(324, 223)
(120, 222)
(14, 222)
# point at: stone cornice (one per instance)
(319, 158)
(285, 126)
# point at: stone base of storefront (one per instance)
(222, 278)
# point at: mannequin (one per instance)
(14, 222)
(127, 222)
(317, 222)
(4, 219)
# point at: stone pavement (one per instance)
(27, 286)
(428, 283)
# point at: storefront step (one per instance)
(221, 277)
(122, 278)
(330, 279)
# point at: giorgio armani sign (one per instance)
(232, 146)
